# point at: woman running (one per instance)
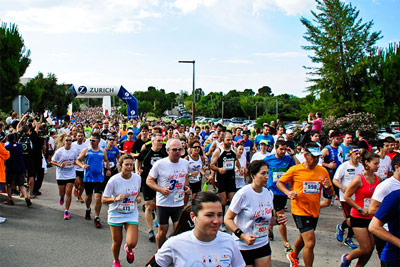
(250, 214)
(122, 193)
(362, 186)
(64, 159)
(241, 174)
(204, 245)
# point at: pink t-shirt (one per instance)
(317, 125)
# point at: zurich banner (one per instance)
(83, 91)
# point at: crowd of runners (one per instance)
(208, 180)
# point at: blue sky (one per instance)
(137, 43)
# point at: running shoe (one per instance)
(116, 263)
(349, 242)
(28, 202)
(271, 234)
(61, 201)
(87, 215)
(294, 262)
(156, 223)
(130, 255)
(287, 247)
(76, 192)
(344, 262)
(97, 222)
(66, 215)
(339, 233)
(152, 237)
(80, 199)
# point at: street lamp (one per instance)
(193, 100)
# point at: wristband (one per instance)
(359, 210)
(238, 232)
(114, 199)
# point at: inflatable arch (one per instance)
(106, 92)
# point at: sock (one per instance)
(350, 234)
(344, 225)
(294, 255)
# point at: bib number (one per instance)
(193, 179)
(126, 207)
(311, 187)
(178, 196)
(228, 165)
(260, 229)
(247, 149)
(112, 164)
(367, 202)
(276, 176)
(69, 165)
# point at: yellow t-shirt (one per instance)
(308, 185)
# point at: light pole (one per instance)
(193, 100)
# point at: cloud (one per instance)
(187, 6)
(280, 54)
(289, 7)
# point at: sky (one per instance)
(237, 44)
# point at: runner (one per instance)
(362, 186)
(307, 180)
(171, 174)
(344, 148)
(143, 165)
(223, 162)
(204, 244)
(95, 159)
(241, 173)
(79, 145)
(391, 152)
(248, 145)
(343, 176)
(278, 164)
(250, 214)
(122, 195)
(385, 168)
(112, 155)
(264, 136)
(260, 155)
(64, 158)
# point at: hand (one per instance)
(62, 165)
(282, 219)
(165, 191)
(248, 239)
(364, 212)
(120, 197)
(290, 151)
(292, 195)
(332, 165)
(343, 189)
(187, 190)
(85, 166)
(139, 172)
(222, 170)
(326, 183)
(209, 179)
(194, 174)
(138, 199)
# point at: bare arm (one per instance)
(138, 167)
(374, 206)
(376, 227)
(228, 220)
(79, 161)
(353, 186)
(214, 160)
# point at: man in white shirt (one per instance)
(385, 168)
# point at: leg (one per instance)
(263, 262)
(309, 244)
(9, 191)
(61, 190)
(116, 235)
(149, 207)
(366, 243)
(97, 204)
(31, 183)
(298, 245)
(68, 192)
(161, 235)
(131, 235)
(39, 177)
(88, 200)
(81, 186)
(282, 228)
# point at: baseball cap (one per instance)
(315, 151)
(290, 131)
(130, 131)
(265, 142)
(246, 132)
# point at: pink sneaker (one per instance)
(130, 255)
(116, 263)
(66, 215)
(61, 201)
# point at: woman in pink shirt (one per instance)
(316, 121)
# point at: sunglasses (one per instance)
(111, 139)
(93, 140)
(195, 147)
(130, 133)
(68, 140)
(175, 149)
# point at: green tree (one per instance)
(265, 91)
(14, 60)
(339, 42)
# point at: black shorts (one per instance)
(305, 223)
(163, 214)
(148, 193)
(359, 222)
(195, 187)
(227, 186)
(30, 167)
(280, 202)
(251, 255)
(65, 182)
(97, 187)
(16, 178)
(79, 174)
(346, 208)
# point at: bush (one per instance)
(185, 121)
(365, 122)
(264, 119)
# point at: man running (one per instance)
(307, 180)
(95, 159)
(79, 145)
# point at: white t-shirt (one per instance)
(125, 210)
(78, 148)
(68, 157)
(385, 188)
(51, 143)
(186, 250)
(259, 156)
(239, 178)
(195, 166)
(254, 212)
(345, 174)
(385, 166)
(172, 175)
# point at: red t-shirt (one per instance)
(128, 146)
(392, 154)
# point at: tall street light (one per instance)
(193, 100)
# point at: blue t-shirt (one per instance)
(112, 156)
(389, 212)
(204, 136)
(16, 161)
(136, 131)
(236, 138)
(260, 137)
(276, 168)
(344, 152)
(247, 148)
(95, 172)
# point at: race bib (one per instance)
(112, 164)
(229, 165)
(247, 149)
(311, 187)
(178, 195)
(367, 202)
(69, 165)
(194, 179)
(260, 229)
(276, 176)
(126, 207)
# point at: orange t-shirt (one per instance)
(123, 132)
(308, 185)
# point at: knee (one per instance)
(310, 244)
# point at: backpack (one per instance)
(369, 146)
(26, 143)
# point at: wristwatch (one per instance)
(359, 210)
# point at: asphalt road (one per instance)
(39, 236)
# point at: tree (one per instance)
(265, 91)
(14, 60)
(339, 43)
